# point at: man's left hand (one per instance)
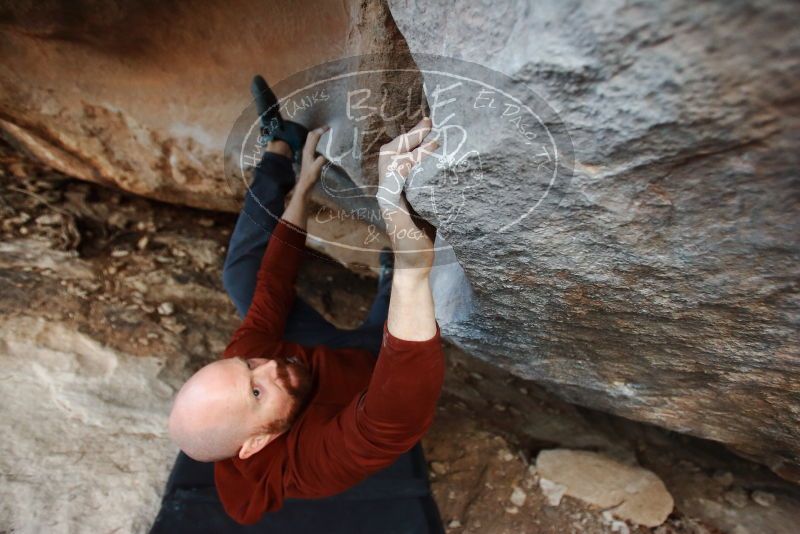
(311, 165)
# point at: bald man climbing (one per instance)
(308, 432)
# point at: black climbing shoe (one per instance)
(386, 260)
(272, 124)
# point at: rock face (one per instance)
(57, 378)
(144, 96)
(662, 287)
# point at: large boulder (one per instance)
(664, 285)
(659, 280)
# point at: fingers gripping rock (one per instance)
(397, 158)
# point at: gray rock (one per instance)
(736, 496)
(627, 492)
(763, 498)
(518, 497)
(662, 287)
(552, 491)
(83, 415)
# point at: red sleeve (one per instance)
(380, 424)
(399, 404)
(274, 293)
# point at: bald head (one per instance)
(236, 406)
(200, 422)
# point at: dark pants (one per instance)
(394, 500)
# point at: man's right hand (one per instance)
(413, 247)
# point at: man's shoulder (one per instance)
(250, 487)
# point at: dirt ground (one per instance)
(143, 278)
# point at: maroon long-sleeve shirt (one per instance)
(362, 413)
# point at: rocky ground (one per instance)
(109, 301)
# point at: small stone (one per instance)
(512, 510)
(142, 243)
(518, 497)
(500, 407)
(18, 170)
(119, 253)
(763, 498)
(688, 466)
(111, 269)
(616, 526)
(552, 491)
(172, 325)
(22, 218)
(505, 455)
(48, 219)
(455, 523)
(166, 308)
(476, 376)
(205, 222)
(439, 468)
(137, 284)
(524, 391)
(23, 230)
(118, 220)
(736, 497)
(724, 478)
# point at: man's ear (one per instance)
(253, 444)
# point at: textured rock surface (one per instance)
(68, 457)
(628, 492)
(664, 286)
(144, 95)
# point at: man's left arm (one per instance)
(274, 294)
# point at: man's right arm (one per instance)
(399, 404)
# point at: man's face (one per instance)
(273, 390)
